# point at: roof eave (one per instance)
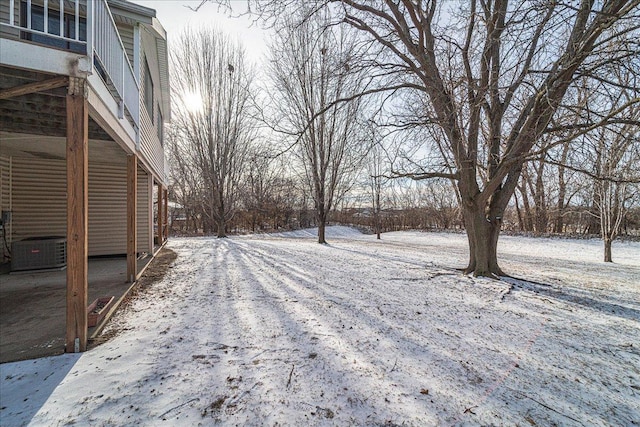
(133, 8)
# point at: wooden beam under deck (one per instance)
(132, 206)
(160, 215)
(166, 214)
(41, 114)
(77, 215)
(34, 87)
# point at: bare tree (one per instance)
(609, 151)
(311, 70)
(377, 172)
(212, 86)
(617, 156)
(493, 75)
(185, 183)
(613, 197)
(376, 177)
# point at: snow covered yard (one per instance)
(278, 330)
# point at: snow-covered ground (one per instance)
(278, 330)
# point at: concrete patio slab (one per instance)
(32, 306)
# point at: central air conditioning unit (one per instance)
(38, 253)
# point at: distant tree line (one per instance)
(280, 204)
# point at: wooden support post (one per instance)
(166, 214)
(160, 215)
(149, 220)
(132, 217)
(77, 214)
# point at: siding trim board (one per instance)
(143, 212)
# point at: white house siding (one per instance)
(126, 35)
(107, 209)
(39, 203)
(39, 198)
(5, 18)
(149, 142)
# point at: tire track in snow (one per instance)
(346, 362)
(228, 342)
(320, 290)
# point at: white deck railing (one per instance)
(109, 52)
(37, 21)
(92, 31)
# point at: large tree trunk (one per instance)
(321, 229)
(220, 213)
(483, 242)
(222, 228)
(607, 250)
(221, 224)
(321, 214)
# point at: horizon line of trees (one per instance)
(285, 206)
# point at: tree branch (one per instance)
(423, 175)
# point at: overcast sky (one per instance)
(175, 16)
